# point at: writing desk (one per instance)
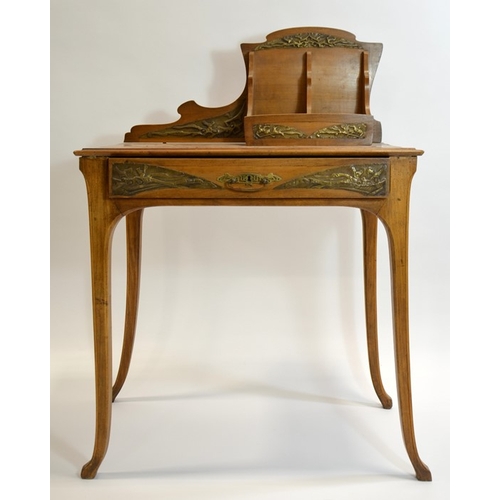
(123, 180)
(301, 133)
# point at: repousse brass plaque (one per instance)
(308, 40)
(338, 131)
(130, 178)
(369, 179)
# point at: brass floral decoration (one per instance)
(370, 179)
(130, 178)
(339, 131)
(308, 40)
(229, 124)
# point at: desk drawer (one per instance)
(217, 178)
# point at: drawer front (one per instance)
(268, 178)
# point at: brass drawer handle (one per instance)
(247, 182)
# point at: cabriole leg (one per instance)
(370, 222)
(395, 214)
(103, 217)
(134, 236)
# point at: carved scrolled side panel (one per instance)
(197, 124)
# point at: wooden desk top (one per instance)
(241, 150)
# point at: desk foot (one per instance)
(386, 401)
(423, 473)
(89, 470)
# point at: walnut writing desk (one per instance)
(208, 158)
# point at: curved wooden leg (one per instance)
(134, 231)
(100, 251)
(394, 215)
(370, 222)
(103, 218)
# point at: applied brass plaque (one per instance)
(308, 40)
(130, 178)
(338, 131)
(369, 179)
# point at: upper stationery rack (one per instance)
(305, 86)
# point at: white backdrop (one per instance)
(263, 294)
